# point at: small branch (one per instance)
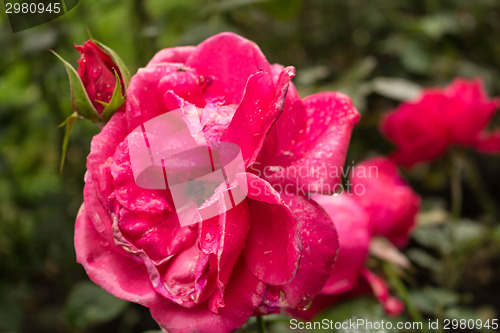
(403, 292)
(477, 185)
(261, 325)
(456, 186)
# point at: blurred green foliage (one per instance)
(376, 51)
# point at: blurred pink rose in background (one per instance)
(389, 202)
(387, 207)
(423, 130)
(274, 250)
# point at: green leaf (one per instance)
(90, 304)
(424, 259)
(358, 72)
(65, 10)
(115, 102)
(469, 231)
(396, 88)
(461, 313)
(436, 26)
(69, 125)
(433, 237)
(79, 99)
(118, 61)
(430, 300)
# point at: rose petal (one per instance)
(215, 120)
(387, 199)
(129, 194)
(352, 225)
(319, 248)
(291, 125)
(419, 136)
(144, 96)
(185, 277)
(392, 306)
(233, 228)
(243, 294)
(224, 236)
(159, 236)
(488, 142)
(423, 129)
(382, 249)
(261, 105)
(103, 147)
(229, 59)
(174, 54)
(186, 84)
(109, 266)
(273, 248)
(470, 109)
(313, 165)
(96, 209)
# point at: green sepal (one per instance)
(115, 102)
(69, 125)
(118, 62)
(80, 101)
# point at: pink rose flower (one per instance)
(390, 203)
(97, 72)
(353, 227)
(384, 206)
(274, 250)
(456, 115)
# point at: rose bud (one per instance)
(97, 72)
(98, 86)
